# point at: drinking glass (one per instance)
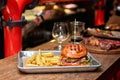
(60, 32)
(77, 28)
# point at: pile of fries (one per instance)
(43, 59)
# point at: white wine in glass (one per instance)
(60, 32)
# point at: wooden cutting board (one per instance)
(98, 50)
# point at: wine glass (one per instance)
(60, 32)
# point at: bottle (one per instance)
(99, 13)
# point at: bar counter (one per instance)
(110, 65)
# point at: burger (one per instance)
(74, 55)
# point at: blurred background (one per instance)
(82, 11)
(65, 11)
(68, 10)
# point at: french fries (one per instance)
(43, 59)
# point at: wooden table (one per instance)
(110, 64)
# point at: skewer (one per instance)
(74, 31)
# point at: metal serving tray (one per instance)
(43, 69)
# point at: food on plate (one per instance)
(43, 59)
(74, 55)
(113, 27)
(99, 32)
(105, 44)
(71, 55)
(103, 33)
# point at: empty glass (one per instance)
(60, 32)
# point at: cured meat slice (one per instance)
(105, 44)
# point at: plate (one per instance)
(104, 33)
(98, 50)
(43, 69)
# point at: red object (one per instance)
(118, 1)
(118, 75)
(13, 37)
(99, 17)
(99, 13)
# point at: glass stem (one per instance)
(60, 46)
